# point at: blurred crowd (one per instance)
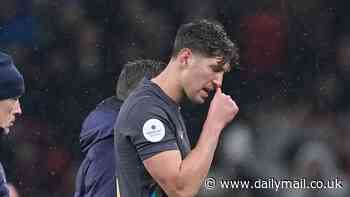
(291, 84)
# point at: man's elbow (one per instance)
(175, 187)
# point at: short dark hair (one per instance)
(207, 38)
(133, 72)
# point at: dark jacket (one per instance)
(3, 189)
(96, 175)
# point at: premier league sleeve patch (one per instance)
(153, 130)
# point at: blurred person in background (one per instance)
(96, 175)
(11, 88)
(317, 161)
(153, 153)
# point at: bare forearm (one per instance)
(195, 167)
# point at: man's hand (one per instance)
(222, 110)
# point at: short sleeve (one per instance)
(151, 130)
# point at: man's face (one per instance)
(9, 108)
(201, 76)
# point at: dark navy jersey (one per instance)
(96, 175)
(3, 189)
(99, 124)
(149, 123)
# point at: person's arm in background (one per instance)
(179, 177)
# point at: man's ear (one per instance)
(184, 56)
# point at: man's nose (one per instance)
(218, 79)
(17, 109)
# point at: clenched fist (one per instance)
(222, 110)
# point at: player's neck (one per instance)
(169, 82)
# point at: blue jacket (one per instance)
(3, 189)
(96, 175)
